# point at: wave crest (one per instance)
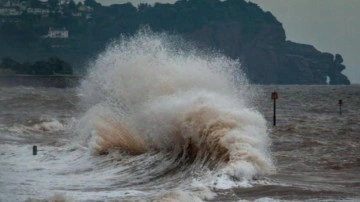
(115, 135)
(147, 94)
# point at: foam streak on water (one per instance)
(154, 97)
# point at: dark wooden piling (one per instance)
(274, 97)
(34, 150)
(340, 104)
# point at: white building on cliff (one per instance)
(10, 11)
(57, 33)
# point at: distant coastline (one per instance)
(54, 81)
(78, 32)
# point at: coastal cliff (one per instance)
(268, 58)
(236, 28)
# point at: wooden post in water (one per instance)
(274, 97)
(34, 150)
(340, 104)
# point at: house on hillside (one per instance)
(57, 33)
(9, 3)
(13, 3)
(38, 11)
(10, 11)
(21, 5)
(76, 14)
(85, 9)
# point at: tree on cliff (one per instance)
(92, 3)
(237, 28)
(53, 3)
(52, 66)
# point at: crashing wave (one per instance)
(152, 92)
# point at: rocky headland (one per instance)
(239, 29)
(268, 58)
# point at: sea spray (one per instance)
(155, 93)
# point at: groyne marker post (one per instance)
(340, 104)
(34, 150)
(274, 97)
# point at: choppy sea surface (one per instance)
(316, 151)
(157, 120)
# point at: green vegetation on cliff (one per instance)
(239, 29)
(52, 66)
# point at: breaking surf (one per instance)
(176, 118)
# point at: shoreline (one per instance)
(55, 81)
(71, 81)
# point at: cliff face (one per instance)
(268, 58)
(258, 50)
(239, 29)
(310, 66)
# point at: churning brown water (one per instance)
(316, 151)
(154, 123)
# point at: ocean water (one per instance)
(157, 120)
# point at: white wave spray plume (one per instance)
(153, 92)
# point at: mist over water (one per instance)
(154, 96)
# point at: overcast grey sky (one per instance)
(330, 25)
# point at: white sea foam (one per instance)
(42, 125)
(153, 93)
